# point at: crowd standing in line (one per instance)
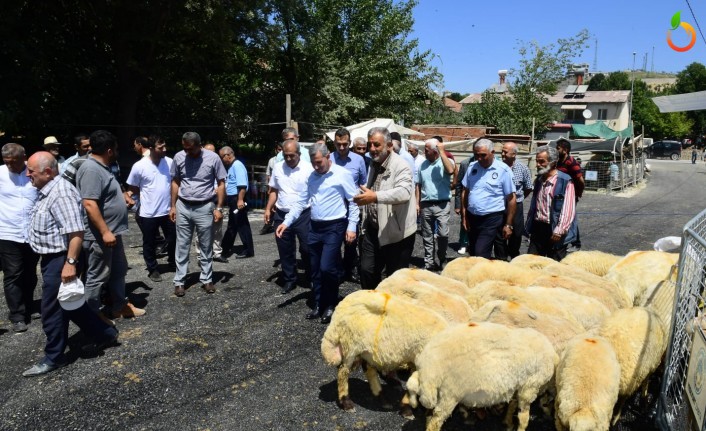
(354, 213)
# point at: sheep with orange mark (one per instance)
(458, 268)
(640, 272)
(587, 385)
(604, 291)
(384, 330)
(558, 330)
(639, 339)
(586, 311)
(450, 306)
(441, 282)
(593, 261)
(482, 364)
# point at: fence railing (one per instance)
(674, 413)
(613, 175)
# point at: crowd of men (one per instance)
(355, 213)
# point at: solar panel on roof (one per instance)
(581, 89)
(570, 89)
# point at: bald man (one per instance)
(56, 233)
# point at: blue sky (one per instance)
(475, 38)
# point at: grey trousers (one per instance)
(433, 213)
(107, 267)
(190, 218)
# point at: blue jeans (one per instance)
(189, 218)
(107, 267)
(325, 238)
(55, 320)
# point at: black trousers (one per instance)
(506, 249)
(390, 257)
(238, 224)
(19, 266)
(482, 231)
(287, 245)
(541, 244)
(149, 227)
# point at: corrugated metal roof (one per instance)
(614, 96)
(681, 102)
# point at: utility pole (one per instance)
(288, 110)
(595, 56)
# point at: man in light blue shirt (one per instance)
(344, 157)
(434, 201)
(488, 200)
(330, 192)
(236, 189)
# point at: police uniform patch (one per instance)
(495, 175)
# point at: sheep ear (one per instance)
(532, 315)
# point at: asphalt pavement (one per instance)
(244, 358)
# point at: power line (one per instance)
(695, 20)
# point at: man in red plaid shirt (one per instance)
(571, 167)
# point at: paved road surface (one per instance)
(245, 358)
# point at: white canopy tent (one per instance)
(681, 102)
(361, 129)
(448, 145)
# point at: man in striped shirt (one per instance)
(551, 220)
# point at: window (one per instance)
(602, 114)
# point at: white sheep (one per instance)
(586, 311)
(384, 330)
(444, 283)
(532, 261)
(452, 307)
(558, 330)
(499, 270)
(594, 261)
(587, 385)
(640, 272)
(482, 364)
(458, 268)
(639, 339)
(604, 291)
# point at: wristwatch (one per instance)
(71, 261)
(510, 226)
(220, 210)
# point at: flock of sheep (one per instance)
(587, 332)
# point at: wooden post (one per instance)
(529, 150)
(288, 108)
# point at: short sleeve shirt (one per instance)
(95, 181)
(197, 174)
(237, 177)
(523, 180)
(290, 183)
(487, 188)
(154, 182)
(434, 182)
(17, 198)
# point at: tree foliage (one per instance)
(689, 80)
(216, 66)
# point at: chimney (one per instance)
(502, 73)
(579, 76)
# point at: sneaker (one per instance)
(155, 276)
(129, 310)
(462, 250)
(19, 326)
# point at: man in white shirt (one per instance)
(150, 179)
(19, 262)
(287, 183)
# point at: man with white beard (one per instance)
(551, 220)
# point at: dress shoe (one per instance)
(40, 369)
(326, 317)
(314, 314)
(220, 259)
(352, 277)
(288, 287)
(244, 255)
(155, 276)
(208, 287)
(179, 291)
(128, 311)
(19, 326)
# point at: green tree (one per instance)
(689, 80)
(597, 82)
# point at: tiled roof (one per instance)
(471, 98)
(453, 105)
